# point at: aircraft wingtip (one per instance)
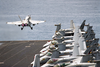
(44, 21)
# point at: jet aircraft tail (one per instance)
(72, 26)
(76, 34)
(58, 27)
(76, 50)
(20, 18)
(82, 43)
(36, 61)
(82, 25)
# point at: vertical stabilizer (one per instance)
(36, 61)
(89, 30)
(76, 49)
(76, 34)
(20, 18)
(72, 26)
(58, 27)
(82, 25)
(82, 43)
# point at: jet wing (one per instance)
(44, 49)
(36, 22)
(16, 23)
(47, 44)
(69, 46)
(82, 64)
(68, 41)
(66, 51)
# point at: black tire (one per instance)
(21, 28)
(31, 28)
(19, 25)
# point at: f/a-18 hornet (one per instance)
(27, 22)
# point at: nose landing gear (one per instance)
(31, 28)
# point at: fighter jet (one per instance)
(27, 22)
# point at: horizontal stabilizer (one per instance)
(96, 61)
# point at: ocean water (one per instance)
(52, 11)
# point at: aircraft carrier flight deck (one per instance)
(19, 53)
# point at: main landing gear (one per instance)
(31, 28)
(21, 28)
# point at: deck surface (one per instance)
(19, 53)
